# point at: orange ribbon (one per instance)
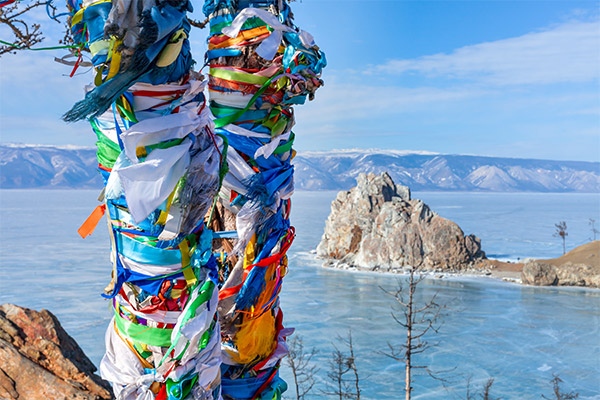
(87, 228)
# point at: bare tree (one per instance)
(557, 394)
(352, 363)
(299, 362)
(561, 232)
(592, 223)
(469, 395)
(487, 386)
(418, 321)
(340, 365)
(484, 394)
(26, 34)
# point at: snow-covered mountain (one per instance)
(430, 171)
(36, 166)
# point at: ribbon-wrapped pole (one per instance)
(162, 166)
(197, 195)
(261, 65)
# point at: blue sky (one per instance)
(503, 78)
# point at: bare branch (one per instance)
(339, 365)
(418, 321)
(198, 24)
(299, 362)
(27, 34)
(352, 360)
(558, 394)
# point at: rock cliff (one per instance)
(39, 360)
(377, 226)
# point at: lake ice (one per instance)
(518, 335)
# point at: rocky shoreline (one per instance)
(567, 274)
(510, 272)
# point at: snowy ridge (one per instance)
(46, 146)
(46, 166)
(337, 170)
(356, 152)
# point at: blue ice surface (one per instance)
(515, 334)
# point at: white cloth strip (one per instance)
(156, 130)
(149, 183)
(148, 269)
(164, 317)
(268, 48)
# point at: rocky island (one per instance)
(377, 226)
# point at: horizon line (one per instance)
(347, 151)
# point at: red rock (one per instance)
(39, 360)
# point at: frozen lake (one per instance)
(517, 335)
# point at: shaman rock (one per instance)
(376, 225)
(39, 360)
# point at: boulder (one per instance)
(377, 226)
(39, 360)
(539, 274)
(579, 267)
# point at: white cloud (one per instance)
(350, 101)
(569, 53)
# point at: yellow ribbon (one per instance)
(188, 273)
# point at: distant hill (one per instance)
(423, 171)
(37, 166)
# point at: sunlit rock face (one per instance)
(39, 360)
(579, 267)
(376, 225)
(539, 274)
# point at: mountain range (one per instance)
(40, 166)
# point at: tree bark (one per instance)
(411, 289)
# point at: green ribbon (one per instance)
(180, 389)
(206, 292)
(107, 151)
(144, 334)
(250, 23)
(287, 146)
(221, 122)
(130, 115)
(41, 48)
(276, 125)
(237, 76)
